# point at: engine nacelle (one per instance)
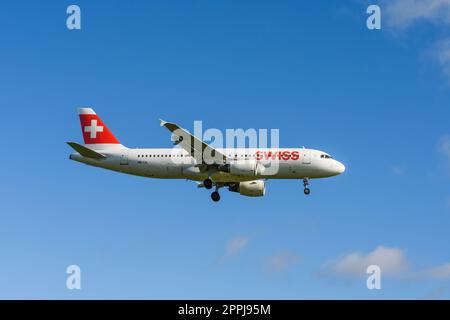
(256, 188)
(244, 168)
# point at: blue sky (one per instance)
(376, 100)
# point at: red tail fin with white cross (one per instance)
(94, 130)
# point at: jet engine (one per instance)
(256, 188)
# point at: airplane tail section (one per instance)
(95, 132)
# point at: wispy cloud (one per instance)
(440, 272)
(436, 294)
(401, 15)
(234, 246)
(392, 261)
(398, 170)
(282, 261)
(440, 52)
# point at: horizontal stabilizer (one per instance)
(86, 152)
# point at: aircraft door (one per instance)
(306, 156)
(124, 158)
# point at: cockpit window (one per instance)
(325, 156)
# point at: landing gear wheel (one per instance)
(208, 184)
(306, 184)
(215, 196)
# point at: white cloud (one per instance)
(398, 170)
(282, 261)
(401, 14)
(392, 261)
(234, 246)
(440, 52)
(436, 294)
(439, 272)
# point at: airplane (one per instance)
(241, 170)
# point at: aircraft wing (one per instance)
(202, 152)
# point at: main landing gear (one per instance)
(215, 196)
(306, 185)
(208, 184)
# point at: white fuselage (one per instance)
(175, 163)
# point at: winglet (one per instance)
(162, 123)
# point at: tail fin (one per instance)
(94, 130)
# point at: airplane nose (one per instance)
(340, 167)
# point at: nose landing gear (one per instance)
(306, 185)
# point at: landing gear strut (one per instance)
(208, 183)
(306, 184)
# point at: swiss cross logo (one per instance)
(93, 129)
